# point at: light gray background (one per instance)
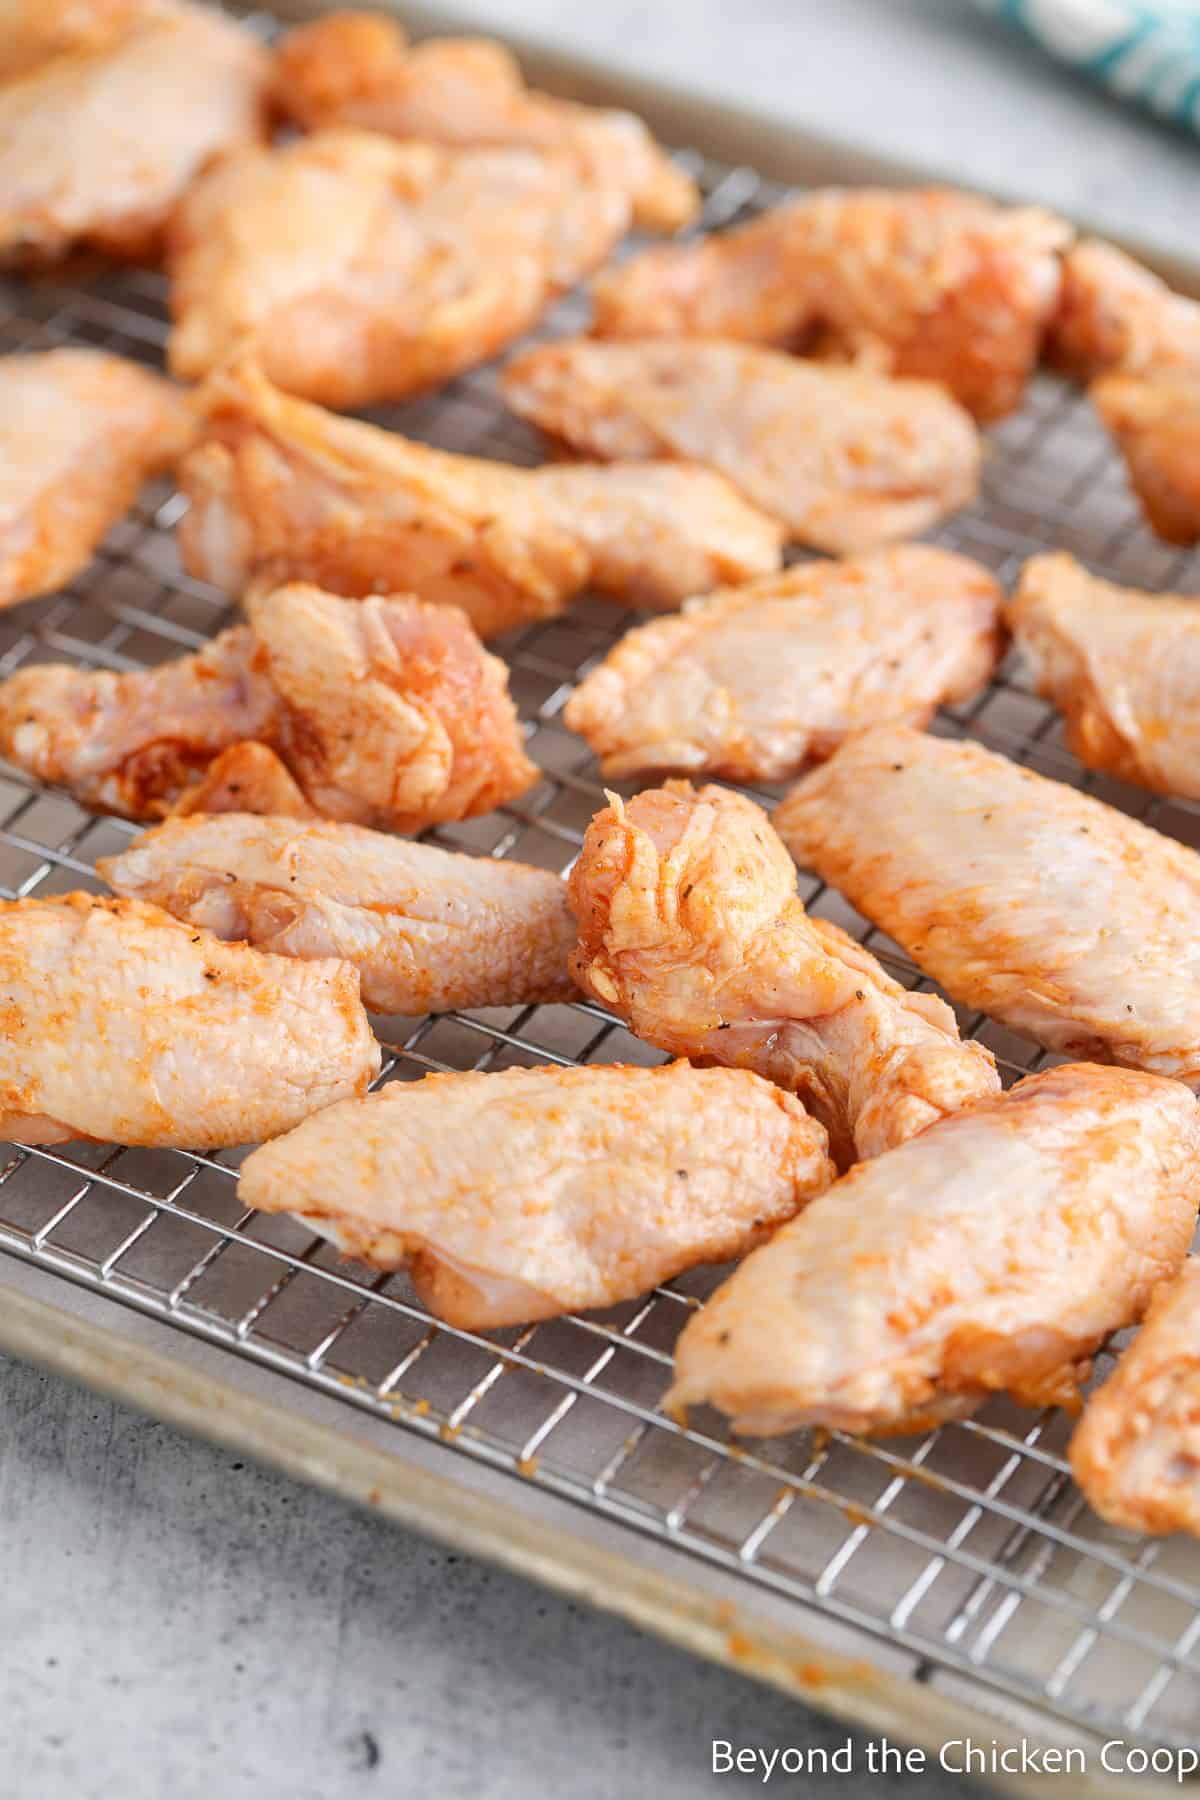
(175, 1622)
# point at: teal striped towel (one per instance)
(1148, 53)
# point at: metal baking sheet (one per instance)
(923, 1586)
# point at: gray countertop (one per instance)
(179, 1622)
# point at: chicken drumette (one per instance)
(754, 682)
(516, 1196)
(997, 1251)
(282, 490)
(691, 930)
(845, 460)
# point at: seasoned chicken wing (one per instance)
(754, 682)
(1057, 914)
(384, 711)
(121, 1023)
(1122, 666)
(843, 459)
(355, 68)
(1114, 314)
(32, 31)
(1136, 1451)
(426, 929)
(997, 1251)
(691, 930)
(356, 269)
(1155, 420)
(96, 147)
(516, 1196)
(282, 490)
(80, 431)
(920, 282)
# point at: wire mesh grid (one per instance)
(968, 1546)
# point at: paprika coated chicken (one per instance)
(845, 460)
(517, 1196)
(282, 490)
(426, 929)
(385, 712)
(995, 1252)
(121, 1023)
(754, 682)
(355, 68)
(357, 270)
(80, 431)
(32, 31)
(97, 146)
(1123, 667)
(1058, 915)
(1136, 1451)
(691, 930)
(926, 282)
(1155, 420)
(1116, 316)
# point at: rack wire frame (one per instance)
(967, 1546)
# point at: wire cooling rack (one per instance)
(968, 1547)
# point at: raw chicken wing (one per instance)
(426, 929)
(517, 1196)
(358, 270)
(691, 930)
(1122, 666)
(80, 431)
(1116, 315)
(1155, 420)
(1136, 1451)
(754, 682)
(121, 1023)
(96, 147)
(1060, 916)
(32, 31)
(355, 68)
(282, 490)
(997, 1251)
(931, 283)
(843, 459)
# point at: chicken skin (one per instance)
(121, 1023)
(426, 929)
(282, 490)
(413, 262)
(385, 712)
(80, 431)
(1123, 667)
(1155, 420)
(96, 147)
(32, 31)
(930, 283)
(691, 930)
(518, 1196)
(1062, 917)
(845, 460)
(995, 1252)
(1116, 316)
(355, 68)
(1136, 1451)
(755, 682)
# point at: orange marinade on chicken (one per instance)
(691, 930)
(427, 929)
(922, 282)
(1155, 420)
(385, 712)
(356, 68)
(98, 145)
(413, 262)
(524, 1194)
(1114, 316)
(33, 31)
(1136, 1451)
(282, 490)
(1122, 666)
(754, 682)
(1062, 917)
(845, 460)
(80, 431)
(189, 1042)
(995, 1252)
